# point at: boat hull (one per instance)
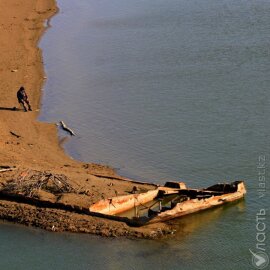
(188, 201)
(120, 204)
(196, 205)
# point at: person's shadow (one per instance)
(14, 109)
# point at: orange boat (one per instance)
(168, 202)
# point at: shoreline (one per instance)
(36, 148)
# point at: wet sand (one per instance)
(36, 146)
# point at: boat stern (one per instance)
(241, 187)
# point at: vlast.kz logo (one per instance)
(260, 259)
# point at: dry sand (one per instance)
(37, 147)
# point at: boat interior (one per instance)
(168, 200)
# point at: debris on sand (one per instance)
(15, 135)
(7, 168)
(64, 127)
(28, 182)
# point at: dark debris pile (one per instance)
(30, 181)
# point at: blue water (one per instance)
(160, 90)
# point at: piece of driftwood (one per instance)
(125, 179)
(7, 168)
(64, 127)
(14, 134)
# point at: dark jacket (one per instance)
(21, 95)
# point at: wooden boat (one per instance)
(121, 204)
(168, 202)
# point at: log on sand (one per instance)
(64, 127)
(7, 168)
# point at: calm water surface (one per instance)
(160, 90)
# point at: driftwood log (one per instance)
(64, 127)
(14, 134)
(7, 168)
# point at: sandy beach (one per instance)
(33, 146)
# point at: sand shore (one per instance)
(36, 147)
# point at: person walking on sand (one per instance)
(23, 99)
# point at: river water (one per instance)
(160, 90)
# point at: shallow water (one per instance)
(161, 90)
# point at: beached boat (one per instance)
(168, 202)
